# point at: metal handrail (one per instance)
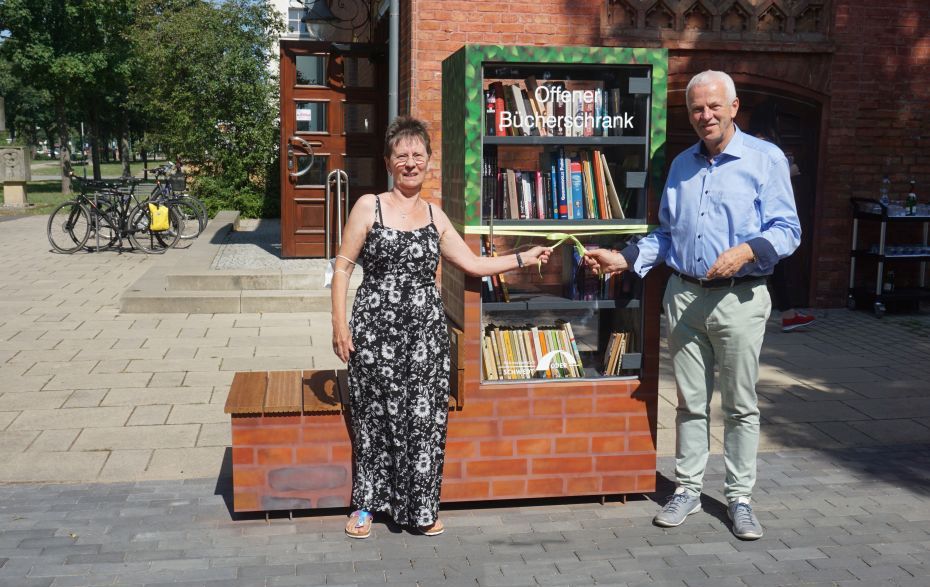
(340, 178)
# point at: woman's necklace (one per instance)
(411, 210)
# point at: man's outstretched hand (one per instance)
(606, 260)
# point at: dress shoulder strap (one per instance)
(378, 209)
(430, 206)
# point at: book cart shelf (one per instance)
(584, 424)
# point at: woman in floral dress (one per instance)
(397, 344)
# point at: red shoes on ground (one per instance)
(799, 320)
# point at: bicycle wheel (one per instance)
(151, 241)
(68, 227)
(101, 234)
(103, 231)
(190, 214)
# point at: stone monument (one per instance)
(14, 171)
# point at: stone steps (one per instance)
(227, 302)
(185, 283)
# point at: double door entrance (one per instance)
(333, 117)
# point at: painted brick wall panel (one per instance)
(491, 452)
(534, 446)
(275, 456)
(563, 465)
(264, 436)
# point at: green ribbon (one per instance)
(589, 230)
(561, 237)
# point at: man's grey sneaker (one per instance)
(745, 524)
(679, 506)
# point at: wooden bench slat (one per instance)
(321, 391)
(247, 393)
(284, 392)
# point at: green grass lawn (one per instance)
(47, 167)
(45, 195)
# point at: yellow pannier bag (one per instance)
(159, 216)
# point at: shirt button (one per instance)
(700, 259)
(699, 236)
(702, 213)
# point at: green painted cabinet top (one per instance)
(463, 120)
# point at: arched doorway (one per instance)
(796, 120)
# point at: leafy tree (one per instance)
(28, 110)
(57, 47)
(208, 92)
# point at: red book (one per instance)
(499, 107)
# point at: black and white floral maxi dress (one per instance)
(399, 376)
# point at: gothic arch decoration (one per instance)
(624, 14)
(772, 20)
(660, 16)
(698, 18)
(756, 22)
(735, 19)
(810, 19)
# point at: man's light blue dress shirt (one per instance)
(743, 195)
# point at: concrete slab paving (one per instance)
(71, 360)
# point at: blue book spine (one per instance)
(554, 191)
(577, 192)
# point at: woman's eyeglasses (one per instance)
(419, 160)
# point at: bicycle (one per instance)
(169, 190)
(112, 214)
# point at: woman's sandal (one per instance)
(435, 530)
(359, 524)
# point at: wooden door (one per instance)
(333, 111)
(797, 124)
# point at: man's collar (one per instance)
(734, 148)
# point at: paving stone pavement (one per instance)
(855, 516)
(131, 405)
(89, 394)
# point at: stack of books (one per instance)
(613, 356)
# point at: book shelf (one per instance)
(510, 186)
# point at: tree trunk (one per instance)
(50, 138)
(94, 137)
(145, 163)
(64, 152)
(124, 145)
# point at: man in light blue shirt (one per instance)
(726, 218)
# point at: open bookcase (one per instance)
(539, 143)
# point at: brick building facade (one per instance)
(851, 77)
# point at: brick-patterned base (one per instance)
(507, 441)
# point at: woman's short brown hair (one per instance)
(405, 127)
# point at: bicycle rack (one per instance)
(340, 178)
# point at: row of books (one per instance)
(544, 352)
(613, 356)
(530, 352)
(570, 185)
(557, 108)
